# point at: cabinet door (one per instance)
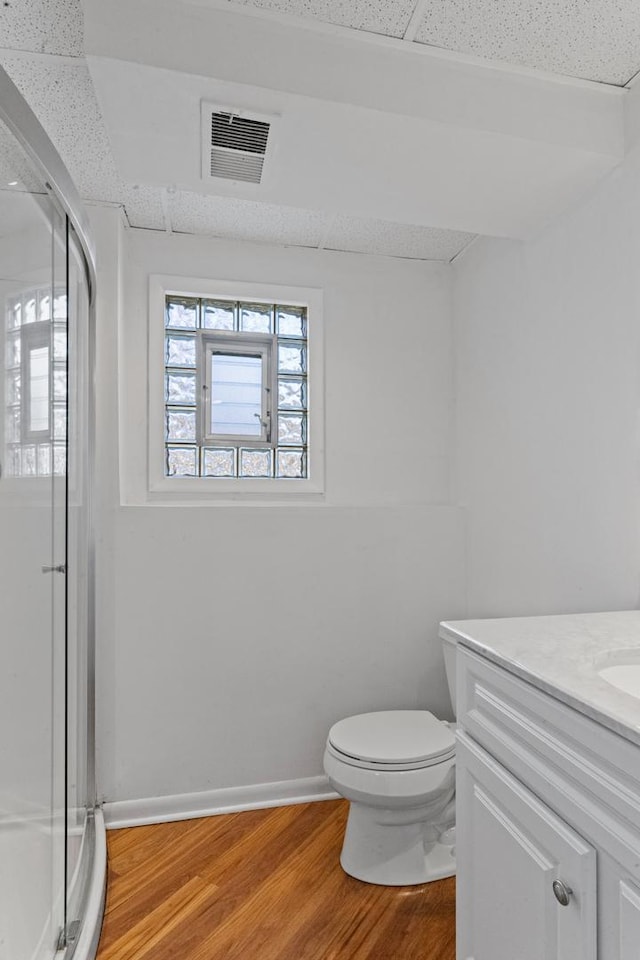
(511, 848)
(629, 921)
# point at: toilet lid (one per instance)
(393, 736)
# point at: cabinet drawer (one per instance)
(571, 762)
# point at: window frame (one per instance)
(213, 490)
(237, 344)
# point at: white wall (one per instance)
(548, 385)
(233, 636)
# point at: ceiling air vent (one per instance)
(234, 144)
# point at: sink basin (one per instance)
(624, 676)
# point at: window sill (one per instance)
(199, 491)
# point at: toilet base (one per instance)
(378, 849)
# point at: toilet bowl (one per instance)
(397, 769)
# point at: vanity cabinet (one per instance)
(548, 825)
(506, 897)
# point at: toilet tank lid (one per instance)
(393, 736)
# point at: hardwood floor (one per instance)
(262, 885)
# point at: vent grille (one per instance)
(238, 146)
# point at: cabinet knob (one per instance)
(561, 892)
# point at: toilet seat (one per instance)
(392, 740)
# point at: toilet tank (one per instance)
(449, 647)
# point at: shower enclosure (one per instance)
(52, 849)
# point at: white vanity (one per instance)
(548, 787)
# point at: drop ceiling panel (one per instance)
(394, 239)
(61, 95)
(267, 223)
(589, 39)
(387, 17)
(43, 26)
(592, 39)
(14, 166)
(245, 220)
(143, 206)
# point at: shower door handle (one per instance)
(60, 568)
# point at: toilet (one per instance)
(397, 769)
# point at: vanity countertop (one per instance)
(562, 656)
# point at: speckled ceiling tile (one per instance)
(143, 206)
(395, 239)
(592, 39)
(62, 97)
(43, 26)
(245, 220)
(14, 166)
(387, 17)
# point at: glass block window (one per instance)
(35, 374)
(235, 389)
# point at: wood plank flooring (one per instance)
(262, 885)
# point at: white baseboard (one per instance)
(186, 806)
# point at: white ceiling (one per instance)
(592, 39)
(42, 48)
(389, 18)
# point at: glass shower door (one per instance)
(32, 565)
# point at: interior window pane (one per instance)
(59, 459)
(12, 428)
(219, 462)
(14, 316)
(255, 463)
(45, 307)
(29, 315)
(44, 460)
(59, 383)
(291, 393)
(180, 352)
(182, 461)
(291, 428)
(255, 317)
(180, 387)
(291, 358)
(59, 423)
(290, 322)
(290, 464)
(60, 306)
(13, 351)
(181, 425)
(182, 313)
(14, 463)
(217, 315)
(13, 387)
(236, 394)
(60, 343)
(38, 389)
(29, 460)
